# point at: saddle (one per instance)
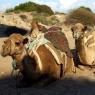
(59, 40)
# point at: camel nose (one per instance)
(75, 35)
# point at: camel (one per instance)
(38, 61)
(54, 34)
(40, 58)
(85, 44)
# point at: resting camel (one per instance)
(55, 36)
(85, 44)
(39, 61)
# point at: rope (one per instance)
(37, 42)
(15, 74)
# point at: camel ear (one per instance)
(25, 41)
(85, 28)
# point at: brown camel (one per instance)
(39, 61)
(85, 44)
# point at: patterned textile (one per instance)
(37, 42)
(59, 40)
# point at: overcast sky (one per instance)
(56, 5)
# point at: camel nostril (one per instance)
(4, 42)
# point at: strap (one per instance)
(37, 42)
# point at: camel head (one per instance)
(78, 29)
(14, 45)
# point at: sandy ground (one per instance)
(82, 83)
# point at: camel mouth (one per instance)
(75, 37)
(3, 54)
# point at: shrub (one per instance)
(41, 19)
(45, 21)
(23, 17)
(31, 7)
(81, 15)
(9, 10)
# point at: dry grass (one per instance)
(81, 15)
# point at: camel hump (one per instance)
(59, 40)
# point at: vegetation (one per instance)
(86, 8)
(31, 7)
(83, 15)
(23, 17)
(44, 20)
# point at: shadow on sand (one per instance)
(6, 30)
(66, 86)
(75, 57)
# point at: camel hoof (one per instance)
(74, 70)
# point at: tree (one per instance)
(82, 15)
(30, 7)
(86, 8)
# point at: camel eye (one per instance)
(17, 43)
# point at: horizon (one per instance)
(63, 6)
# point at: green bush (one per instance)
(82, 15)
(86, 8)
(9, 10)
(32, 7)
(41, 19)
(23, 17)
(45, 21)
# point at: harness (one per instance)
(37, 42)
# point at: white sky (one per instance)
(56, 5)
